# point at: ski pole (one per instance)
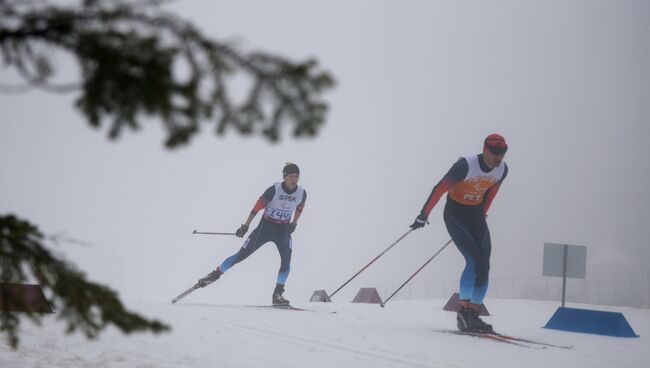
(210, 233)
(416, 272)
(371, 262)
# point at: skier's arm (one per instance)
(492, 192)
(299, 208)
(250, 218)
(457, 173)
(261, 203)
(296, 216)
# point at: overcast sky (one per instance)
(420, 83)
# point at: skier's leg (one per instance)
(256, 238)
(284, 248)
(481, 283)
(480, 231)
(466, 244)
(252, 243)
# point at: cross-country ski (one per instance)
(508, 339)
(490, 337)
(185, 293)
(292, 308)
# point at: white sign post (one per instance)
(563, 260)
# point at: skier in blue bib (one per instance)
(280, 202)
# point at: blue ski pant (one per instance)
(472, 238)
(265, 232)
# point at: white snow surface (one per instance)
(403, 334)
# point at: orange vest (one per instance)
(471, 191)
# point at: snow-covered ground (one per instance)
(358, 335)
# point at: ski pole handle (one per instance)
(416, 272)
(210, 233)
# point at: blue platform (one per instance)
(591, 321)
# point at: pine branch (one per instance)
(128, 53)
(84, 305)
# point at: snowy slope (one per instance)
(357, 335)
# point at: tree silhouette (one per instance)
(85, 305)
(136, 61)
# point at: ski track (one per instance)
(355, 351)
(351, 347)
(359, 336)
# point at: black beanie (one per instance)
(290, 168)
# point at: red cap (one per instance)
(496, 142)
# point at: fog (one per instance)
(420, 83)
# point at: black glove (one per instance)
(419, 222)
(292, 227)
(241, 231)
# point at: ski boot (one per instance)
(209, 278)
(477, 323)
(278, 299)
(464, 320)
